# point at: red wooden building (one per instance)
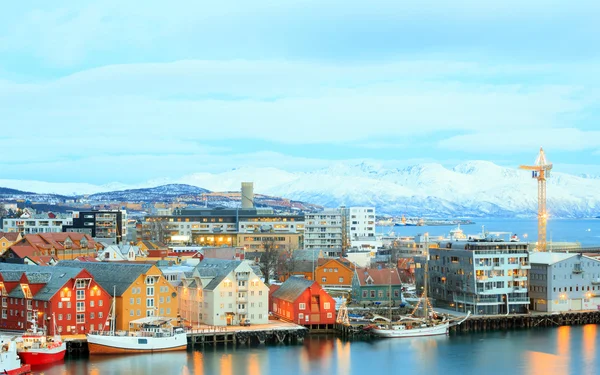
(303, 302)
(78, 303)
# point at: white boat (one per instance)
(147, 335)
(417, 327)
(10, 363)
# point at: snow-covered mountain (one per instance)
(475, 188)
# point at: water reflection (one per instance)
(535, 352)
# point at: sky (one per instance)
(117, 91)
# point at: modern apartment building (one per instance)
(484, 276)
(28, 223)
(109, 227)
(361, 223)
(324, 229)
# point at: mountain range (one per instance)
(471, 189)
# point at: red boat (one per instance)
(35, 348)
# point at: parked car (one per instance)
(245, 323)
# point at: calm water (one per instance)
(563, 350)
(584, 231)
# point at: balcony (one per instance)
(242, 276)
(519, 300)
(525, 266)
(520, 278)
(242, 299)
(520, 289)
(242, 311)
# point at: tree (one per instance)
(3, 211)
(269, 258)
(286, 264)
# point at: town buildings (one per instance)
(34, 223)
(104, 226)
(120, 253)
(324, 229)
(246, 227)
(564, 282)
(303, 302)
(336, 272)
(232, 292)
(373, 286)
(70, 295)
(361, 228)
(58, 245)
(7, 239)
(483, 276)
(140, 288)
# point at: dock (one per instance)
(274, 332)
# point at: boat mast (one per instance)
(113, 310)
(390, 291)
(426, 302)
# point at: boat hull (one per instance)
(99, 344)
(43, 356)
(438, 330)
(24, 369)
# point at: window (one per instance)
(80, 306)
(131, 300)
(364, 294)
(59, 316)
(301, 316)
(80, 284)
(330, 315)
(326, 305)
(138, 301)
(68, 316)
(150, 291)
(68, 305)
(4, 314)
(341, 280)
(372, 294)
(100, 303)
(131, 312)
(302, 306)
(150, 280)
(100, 314)
(92, 315)
(323, 279)
(149, 302)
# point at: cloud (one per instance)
(562, 139)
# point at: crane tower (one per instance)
(540, 171)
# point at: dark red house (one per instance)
(78, 303)
(303, 302)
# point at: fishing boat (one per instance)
(146, 335)
(10, 363)
(410, 326)
(36, 348)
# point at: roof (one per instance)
(42, 260)
(384, 276)
(292, 288)
(217, 269)
(305, 266)
(111, 274)
(549, 258)
(11, 236)
(54, 278)
(307, 254)
(23, 251)
(56, 240)
(344, 262)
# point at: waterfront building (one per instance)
(232, 293)
(246, 227)
(120, 253)
(33, 223)
(104, 226)
(303, 302)
(335, 272)
(324, 229)
(7, 239)
(141, 289)
(484, 276)
(373, 286)
(189, 292)
(564, 282)
(58, 245)
(79, 304)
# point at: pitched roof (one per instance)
(292, 288)
(23, 251)
(11, 236)
(54, 278)
(111, 274)
(42, 260)
(217, 269)
(307, 254)
(56, 240)
(384, 276)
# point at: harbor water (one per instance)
(561, 350)
(584, 231)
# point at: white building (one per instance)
(323, 229)
(37, 223)
(232, 293)
(361, 223)
(119, 253)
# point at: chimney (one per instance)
(247, 195)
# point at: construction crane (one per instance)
(540, 171)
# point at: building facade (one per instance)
(361, 223)
(335, 272)
(564, 282)
(37, 223)
(71, 296)
(224, 227)
(232, 293)
(303, 302)
(140, 289)
(104, 226)
(377, 286)
(7, 239)
(324, 229)
(61, 246)
(483, 276)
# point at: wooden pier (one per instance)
(268, 335)
(495, 322)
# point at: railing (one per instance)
(518, 299)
